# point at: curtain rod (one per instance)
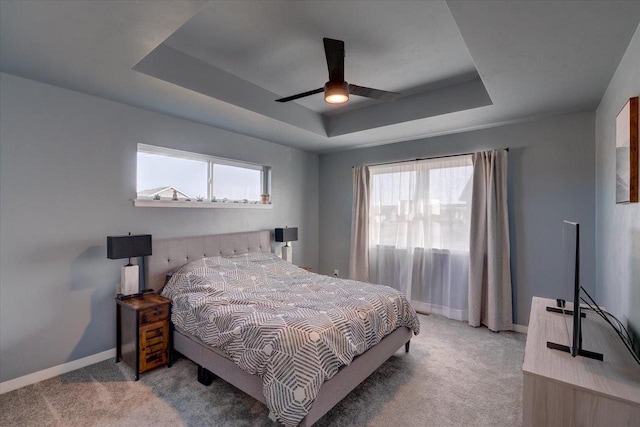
(427, 158)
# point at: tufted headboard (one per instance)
(171, 253)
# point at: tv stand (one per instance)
(560, 390)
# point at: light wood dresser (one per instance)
(560, 390)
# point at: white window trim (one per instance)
(212, 160)
(148, 203)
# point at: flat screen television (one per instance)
(571, 279)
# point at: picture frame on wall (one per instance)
(627, 153)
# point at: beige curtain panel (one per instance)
(489, 270)
(359, 254)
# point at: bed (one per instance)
(250, 253)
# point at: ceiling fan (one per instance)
(336, 90)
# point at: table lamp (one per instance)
(287, 235)
(119, 247)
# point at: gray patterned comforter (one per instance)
(293, 328)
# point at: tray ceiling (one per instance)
(459, 65)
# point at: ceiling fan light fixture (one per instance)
(336, 93)
(336, 90)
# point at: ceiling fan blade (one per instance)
(368, 92)
(300, 95)
(334, 51)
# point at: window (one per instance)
(419, 229)
(163, 173)
(236, 182)
(422, 204)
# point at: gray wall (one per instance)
(67, 174)
(617, 226)
(551, 177)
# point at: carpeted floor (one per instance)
(454, 375)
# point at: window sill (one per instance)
(193, 204)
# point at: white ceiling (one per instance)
(461, 65)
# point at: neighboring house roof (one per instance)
(153, 191)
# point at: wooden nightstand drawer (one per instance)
(154, 314)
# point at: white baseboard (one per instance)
(45, 374)
(520, 328)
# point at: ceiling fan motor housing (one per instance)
(336, 92)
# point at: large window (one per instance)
(163, 173)
(422, 204)
(419, 224)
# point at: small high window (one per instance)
(167, 174)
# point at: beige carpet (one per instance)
(454, 375)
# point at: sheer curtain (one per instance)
(419, 231)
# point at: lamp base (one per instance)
(129, 280)
(287, 254)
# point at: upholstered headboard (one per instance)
(171, 253)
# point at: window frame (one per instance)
(413, 166)
(265, 171)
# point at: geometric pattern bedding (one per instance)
(293, 328)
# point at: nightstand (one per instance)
(143, 335)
